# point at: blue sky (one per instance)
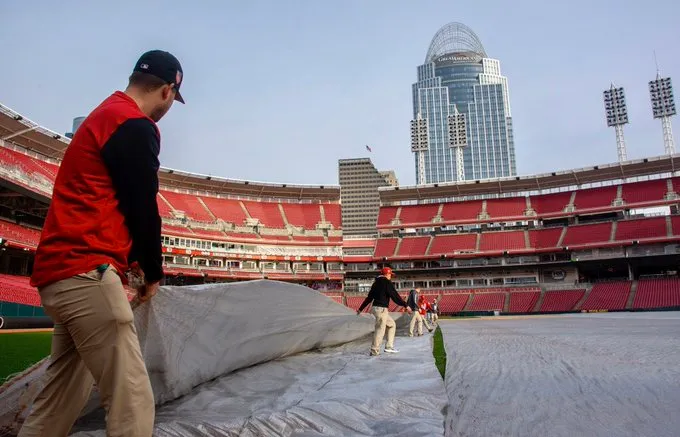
(280, 90)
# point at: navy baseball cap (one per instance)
(164, 66)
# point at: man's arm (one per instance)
(369, 299)
(395, 296)
(131, 156)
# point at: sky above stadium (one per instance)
(280, 90)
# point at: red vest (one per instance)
(84, 227)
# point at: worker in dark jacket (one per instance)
(381, 292)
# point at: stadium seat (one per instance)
(657, 293)
(506, 208)
(501, 241)
(587, 234)
(467, 211)
(644, 191)
(647, 228)
(418, 214)
(267, 212)
(450, 244)
(385, 247)
(546, 204)
(19, 234)
(16, 289)
(487, 302)
(561, 301)
(413, 246)
(453, 303)
(386, 214)
(523, 302)
(302, 215)
(601, 197)
(189, 204)
(608, 296)
(332, 214)
(229, 210)
(545, 238)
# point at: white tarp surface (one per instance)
(577, 375)
(192, 335)
(336, 392)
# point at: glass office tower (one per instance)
(458, 74)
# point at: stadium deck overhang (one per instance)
(20, 131)
(540, 182)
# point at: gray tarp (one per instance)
(191, 335)
(574, 375)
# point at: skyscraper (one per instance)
(458, 74)
(359, 197)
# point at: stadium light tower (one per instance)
(458, 140)
(420, 145)
(663, 107)
(617, 116)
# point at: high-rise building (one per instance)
(458, 74)
(359, 198)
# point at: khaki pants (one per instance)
(383, 322)
(94, 341)
(417, 318)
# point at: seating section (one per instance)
(189, 204)
(28, 165)
(268, 213)
(523, 302)
(228, 210)
(387, 214)
(550, 203)
(657, 293)
(592, 198)
(413, 246)
(385, 247)
(461, 211)
(164, 210)
(560, 301)
(453, 303)
(641, 229)
(302, 215)
(333, 214)
(545, 238)
(506, 207)
(608, 296)
(501, 241)
(675, 223)
(449, 244)
(418, 214)
(487, 302)
(16, 289)
(587, 234)
(19, 234)
(599, 199)
(645, 191)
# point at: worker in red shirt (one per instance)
(423, 308)
(102, 218)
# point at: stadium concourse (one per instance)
(602, 238)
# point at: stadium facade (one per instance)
(458, 74)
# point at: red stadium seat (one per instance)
(413, 246)
(387, 214)
(562, 300)
(418, 214)
(608, 296)
(462, 211)
(268, 213)
(587, 234)
(189, 204)
(550, 203)
(501, 241)
(641, 229)
(19, 234)
(644, 191)
(487, 302)
(385, 247)
(657, 293)
(510, 207)
(302, 215)
(523, 302)
(545, 238)
(601, 197)
(228, 210)
(449, 244)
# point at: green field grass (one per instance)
(20, 350)
(439, 352)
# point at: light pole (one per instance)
(617, 116)
(458, 140)
(663, 107)
(420, 145)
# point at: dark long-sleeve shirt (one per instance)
(381, 292)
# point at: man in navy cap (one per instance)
(103, 218)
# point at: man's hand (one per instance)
(409, 310)
(147, 291)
